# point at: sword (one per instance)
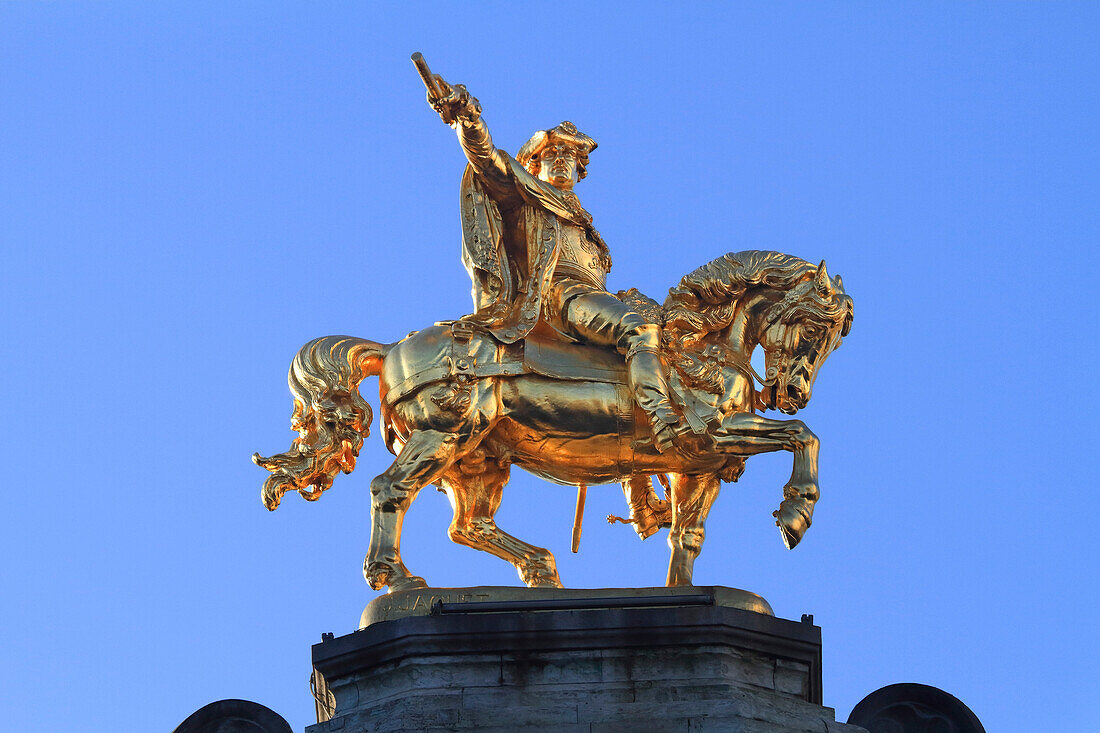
(582, 491)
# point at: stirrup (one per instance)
(681, 437)
(647, 518)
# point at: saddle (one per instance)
(459, 352)
(549, 353)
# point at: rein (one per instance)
(772, 377)
(745, 365)
(747, 369)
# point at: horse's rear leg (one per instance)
(692, 498)
(475, 487)
(426, 454)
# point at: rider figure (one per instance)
(533, 254)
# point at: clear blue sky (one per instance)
(190, 191)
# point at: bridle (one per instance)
(775, 377)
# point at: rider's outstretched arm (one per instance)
(463, 112)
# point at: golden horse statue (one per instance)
(460, 407)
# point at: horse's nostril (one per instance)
(798, 395)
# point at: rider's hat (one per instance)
(566, 132)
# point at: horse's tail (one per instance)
(331, 417)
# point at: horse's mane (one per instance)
(707, 298)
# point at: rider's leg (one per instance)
(645, 508)
(597, 317)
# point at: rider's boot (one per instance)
(647, 513)
(600, 318)
(648, 383)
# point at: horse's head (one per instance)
(792, 309)
(799, 332)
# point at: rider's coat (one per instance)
(519, 235)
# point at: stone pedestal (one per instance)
(654, 659)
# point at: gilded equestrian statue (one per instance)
(554, 374)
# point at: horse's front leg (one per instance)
(692, 498)
(747, 434)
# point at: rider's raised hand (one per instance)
(455, 104)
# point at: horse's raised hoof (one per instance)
(790, 538)
(792, 520)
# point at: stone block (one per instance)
(566, 663)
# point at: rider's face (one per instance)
(558, 165)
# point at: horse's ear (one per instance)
(839, 282)
(822, 282)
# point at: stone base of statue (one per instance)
(502, 659)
